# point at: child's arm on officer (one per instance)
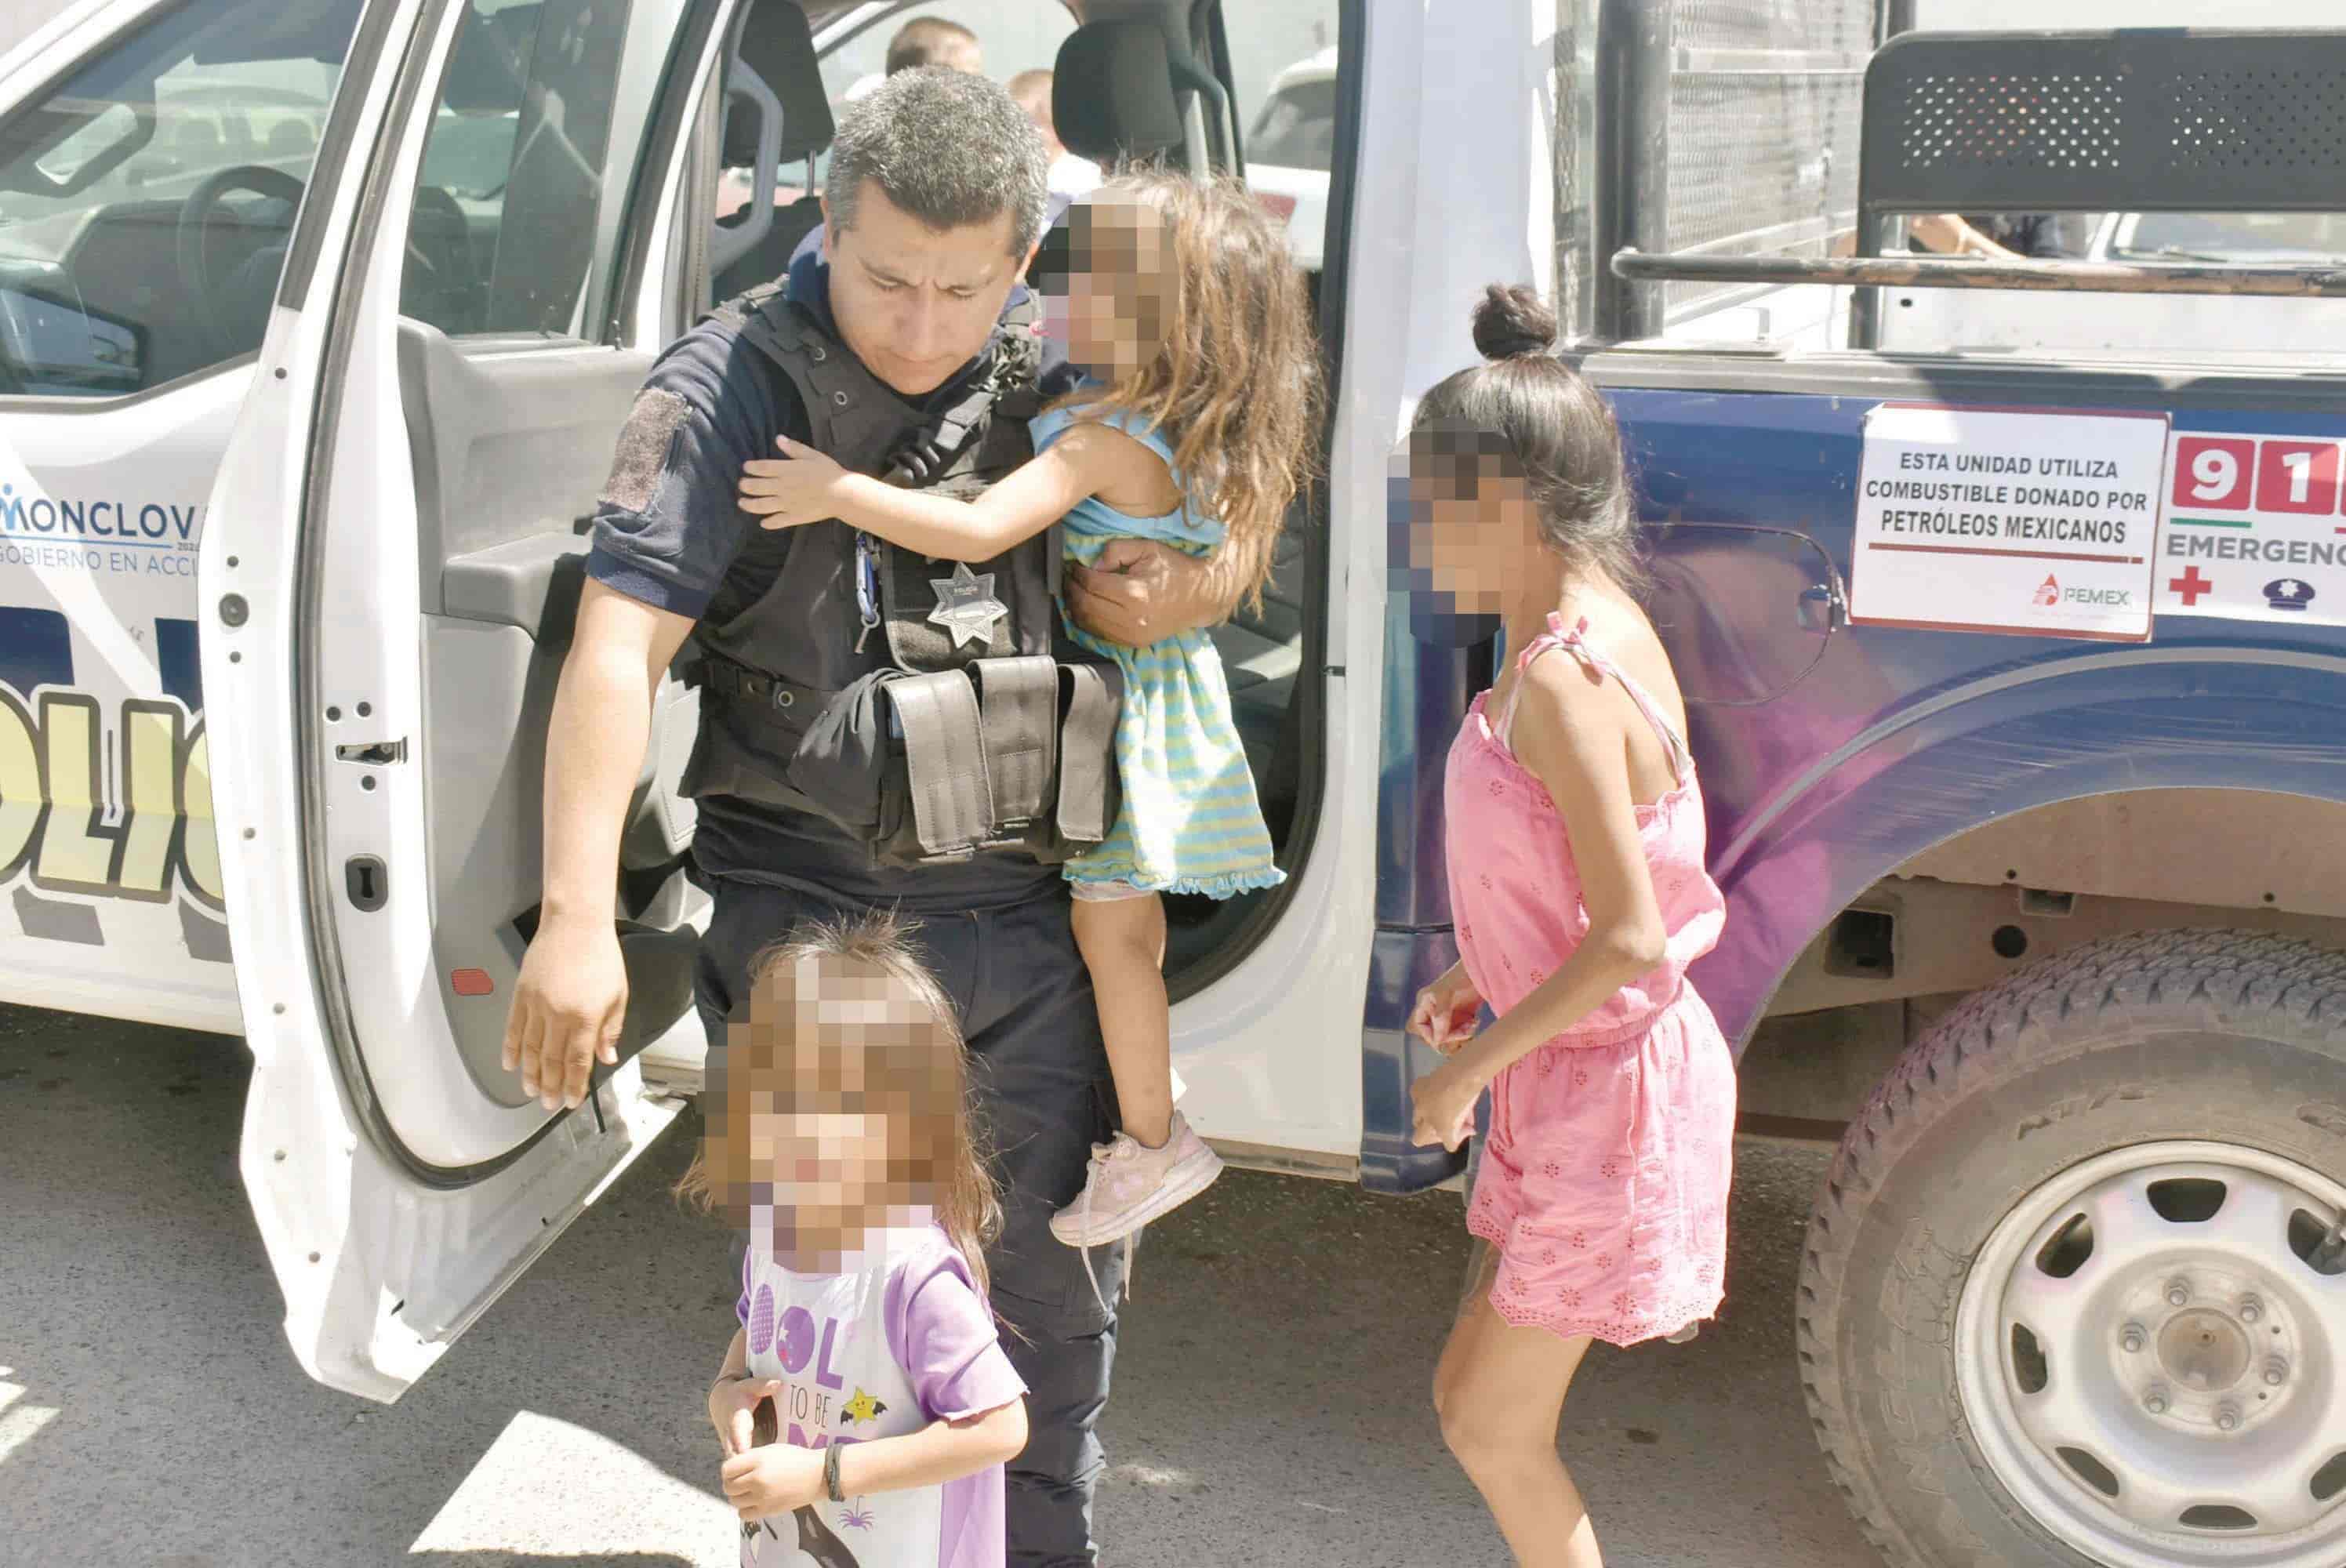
(806, 487)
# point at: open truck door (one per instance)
(510, 220)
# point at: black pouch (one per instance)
(1004, 754)
(842, 762)
(1088, 792)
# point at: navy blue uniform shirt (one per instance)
(682, 543)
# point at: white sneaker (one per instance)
(1128, 1186)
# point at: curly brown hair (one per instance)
(1237, 388)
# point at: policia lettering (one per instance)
(55, 806)
(970, 722)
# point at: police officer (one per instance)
(934, 208)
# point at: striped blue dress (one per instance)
(1190, 822)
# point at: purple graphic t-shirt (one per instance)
(903, 1341)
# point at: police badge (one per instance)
(966, 606)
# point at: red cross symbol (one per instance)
(2191, 585)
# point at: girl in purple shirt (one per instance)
(865, 1406)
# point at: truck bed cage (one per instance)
(2126, 120)
(1975, 272)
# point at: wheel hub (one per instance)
(2204, 1350)
(2151, 1356)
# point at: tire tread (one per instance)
(2242, 974)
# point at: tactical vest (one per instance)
(931, 709)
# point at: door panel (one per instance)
(128, 320)
(398, 511)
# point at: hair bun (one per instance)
(1510, 322)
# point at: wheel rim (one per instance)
(2148, 1353)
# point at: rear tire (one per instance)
(2222, 1053)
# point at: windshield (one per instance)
(206, 88)
(1297, 128)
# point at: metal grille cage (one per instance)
(1845, 26)
(2171, 121)
(1764, 103)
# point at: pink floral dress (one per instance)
(1604, 1182)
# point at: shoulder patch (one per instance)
(642, 448)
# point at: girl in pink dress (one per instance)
(1576, 881)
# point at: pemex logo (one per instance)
(2049, 594)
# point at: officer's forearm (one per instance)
(594, 755)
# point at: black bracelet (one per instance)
(831, 1473)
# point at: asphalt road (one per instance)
(1271, 1390)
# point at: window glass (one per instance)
(1013, 36)
(1283, 75)
(534, 140)
(147, 202)
(1298, 126)
(2298, 238)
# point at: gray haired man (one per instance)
(936, 202)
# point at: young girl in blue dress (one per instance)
(1193, 429)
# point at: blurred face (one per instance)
(1035, 99)
(913, 303)
(1464, 529)
(825, 1107)
(1113, 304)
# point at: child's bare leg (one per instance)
(1499, 1392)
(1123, 943)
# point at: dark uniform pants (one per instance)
(1044, 1097)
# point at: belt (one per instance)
(741, 682)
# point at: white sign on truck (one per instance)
(2008, 520)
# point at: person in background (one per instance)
(934, 41)
(2006, 236)
(1072, 177)
(923, 41)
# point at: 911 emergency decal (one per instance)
(2034, 520)
(2256, 530)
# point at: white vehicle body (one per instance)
(1287, 150)
(292, 478)
(274, 827)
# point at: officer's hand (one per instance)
(1136, 593)
(797, 488)
(568, 1005)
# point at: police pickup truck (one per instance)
(2017, 671)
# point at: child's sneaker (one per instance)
(1128, 1186)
